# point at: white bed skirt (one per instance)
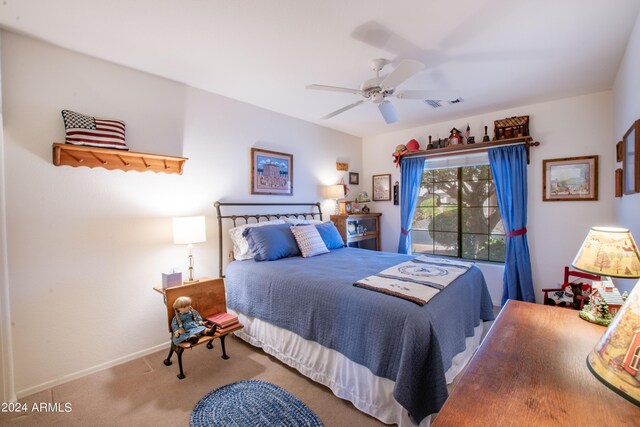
(348, 380)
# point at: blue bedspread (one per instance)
(396, 339)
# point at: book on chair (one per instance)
(222, 320)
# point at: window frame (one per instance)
(460, 207)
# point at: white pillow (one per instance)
(309, 240)
(241, 249)
(301, 221)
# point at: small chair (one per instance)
(208, 298)
(580, 290)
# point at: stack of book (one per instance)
(225, 322)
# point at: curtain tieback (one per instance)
(405, 232)
(515, 233)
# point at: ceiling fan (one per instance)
(379, 88)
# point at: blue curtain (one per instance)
(410, 179)
(509, 168)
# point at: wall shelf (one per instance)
(478, 146)
(113, 159)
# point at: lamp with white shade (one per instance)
(187, 231)
(334, 192)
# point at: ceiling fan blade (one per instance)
(335, 89)
(438, 95)
(343, 109)
(388, 112)
(403, 71)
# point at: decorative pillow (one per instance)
(309, 240)
(330, 235)
(241, 249)
(301, 221)
(271, 243)
(86, 130)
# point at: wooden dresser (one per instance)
(531, 370)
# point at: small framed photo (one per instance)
(271, 172)
(348, 208)
(570, 179)
(618, 182)
(381, 187)
(354, 178)
(619, 151)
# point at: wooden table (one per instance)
(531, 370)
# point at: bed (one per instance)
(390, 357)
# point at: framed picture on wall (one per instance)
(570, 179)
(271, 172)
(631, 159)
(381, 187)
(354, 178)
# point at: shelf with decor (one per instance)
(113, 159)
(478, 146)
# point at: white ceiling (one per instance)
(497, 53)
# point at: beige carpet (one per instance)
(145, 392)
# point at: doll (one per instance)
(187, 325)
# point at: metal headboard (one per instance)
(257, 216)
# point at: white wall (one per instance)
(86, 246)
(571, 127)
(626, 110)
(7, 392)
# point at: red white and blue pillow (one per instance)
(87, 130)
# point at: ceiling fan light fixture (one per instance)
(388, 111)
(377, 97)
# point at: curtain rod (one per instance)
(459, 149)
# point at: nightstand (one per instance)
(359, 230)
(208, 298)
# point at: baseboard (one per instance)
(65, 379)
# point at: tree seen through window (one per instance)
(457, 215)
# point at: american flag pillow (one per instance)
(86, 130)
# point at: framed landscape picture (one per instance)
(271, 172)
(381, 187)
(570, 179)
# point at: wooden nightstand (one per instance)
(208, 298)
(348, 225)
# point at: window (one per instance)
(458, 215)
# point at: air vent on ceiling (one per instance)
(433, 103)
(438, 103)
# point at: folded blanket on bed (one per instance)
(417, 280)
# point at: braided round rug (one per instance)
(252, 403)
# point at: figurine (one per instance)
(455, 138)
(187, 325)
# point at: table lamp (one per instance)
(187, 231)
(334, 192)
(615, 360)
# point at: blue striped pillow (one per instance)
(309, 240)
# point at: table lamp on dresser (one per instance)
(334, 192)
(615, 360)
(187, 231)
